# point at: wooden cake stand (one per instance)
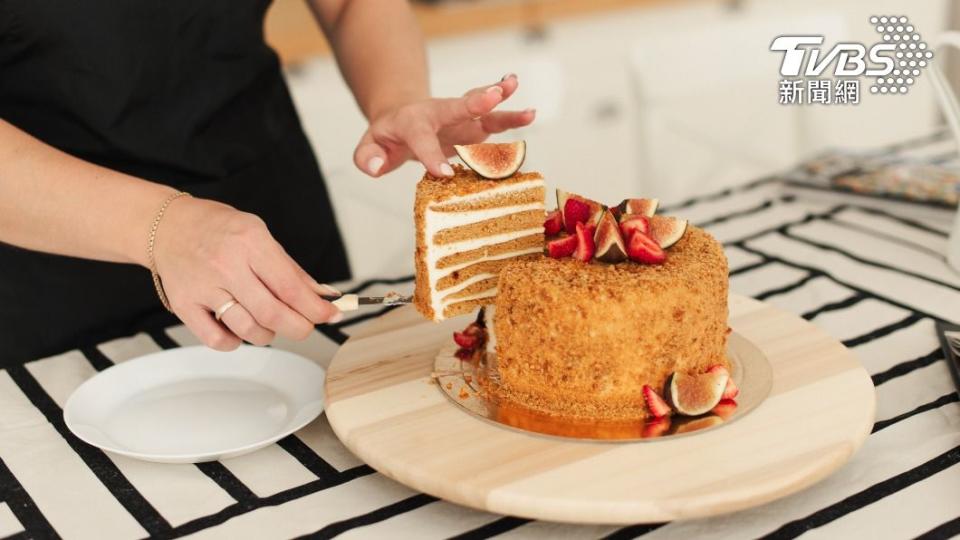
(384, 405)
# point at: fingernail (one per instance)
(495, 88)
(531, 111)
(446, 169)
(375, 164)
(507, 76)
(328, 290)
(337, 317)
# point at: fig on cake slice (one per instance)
(633, 222)
(585, 246)
(731, 391)
(562, 247)
(553, 223)
(655, 404)
(577, 209)
(494, 161)
(666, 230)
(643, 249)
(610, 247)
(643, 207)
(694, 395)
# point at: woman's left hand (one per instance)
(427, 130)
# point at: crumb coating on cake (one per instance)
(582, 340)
(432, 192)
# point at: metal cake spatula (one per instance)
(352, 302)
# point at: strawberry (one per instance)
(631, 223)
(585, 244)
(553, 224)
(562, 247)
(656, 428)
(615, 210)
(725, 408)
(575, 210)
(465, 340)
(657, 406)
(731, 391)
(464, 354)
(643, 249)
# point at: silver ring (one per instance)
(218, 314)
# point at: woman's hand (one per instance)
(208, 253)
(427, 130)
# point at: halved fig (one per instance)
(553, 223)
(643, 207)
(731, 391)
(493, 160)
(694, 395)
(667, 230)
(562, 247)
(609, 244)
(577, 209)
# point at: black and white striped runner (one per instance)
(870, 276)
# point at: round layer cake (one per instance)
(582, 339)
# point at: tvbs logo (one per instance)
(894, 63)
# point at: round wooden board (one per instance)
(384, 406)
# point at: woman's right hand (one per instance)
(208, 253)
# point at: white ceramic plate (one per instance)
(194, 404)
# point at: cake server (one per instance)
(352, 302)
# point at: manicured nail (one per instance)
(495, 88)
(375, 164)
(324, 289)
(531, 111)
(446, 169)
(507, 76)
(337, 317)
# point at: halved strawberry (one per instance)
(643, 249)
(731, 391)
(656, 428)
(575, 210)
(553, 223)
(585, 244)
(632, 222)
(655, 404)
(465, 340)
(725, 408)
(562, 247)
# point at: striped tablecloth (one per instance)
(870, 273)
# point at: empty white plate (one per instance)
(194, 404)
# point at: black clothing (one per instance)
(182, 93)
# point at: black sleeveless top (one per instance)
(184, 93)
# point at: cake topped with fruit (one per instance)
(599, 312)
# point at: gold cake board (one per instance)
(385, 406)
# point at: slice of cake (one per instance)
(468, 228)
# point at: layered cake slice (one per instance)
(468, 228)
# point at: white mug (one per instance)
(951, 110)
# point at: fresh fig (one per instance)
(553, 223)
(694, 395)
(667, 230)
(577, 209)
(585, 245)
(493, 160)
(633, 222)
(643, 207)
(609, 244)
(562, 247)
(643, 249)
